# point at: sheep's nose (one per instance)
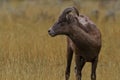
(48, 31)
(51, 32)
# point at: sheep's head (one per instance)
(62, 26)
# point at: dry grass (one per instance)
(27, 52)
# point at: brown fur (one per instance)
(83, 38)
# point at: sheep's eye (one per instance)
(62, 23)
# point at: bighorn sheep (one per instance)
(95, 14)
(110, 14)
(83, 38)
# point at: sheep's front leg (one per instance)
(80, 62)
(94, 66)
(69, 59)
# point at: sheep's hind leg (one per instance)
(94, 66)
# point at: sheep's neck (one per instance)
(81, 39)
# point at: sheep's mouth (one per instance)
(52, 33)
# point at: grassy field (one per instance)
(27, 52)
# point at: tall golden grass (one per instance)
(27, 52)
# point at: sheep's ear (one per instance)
(69, 18)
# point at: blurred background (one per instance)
(27, 52)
